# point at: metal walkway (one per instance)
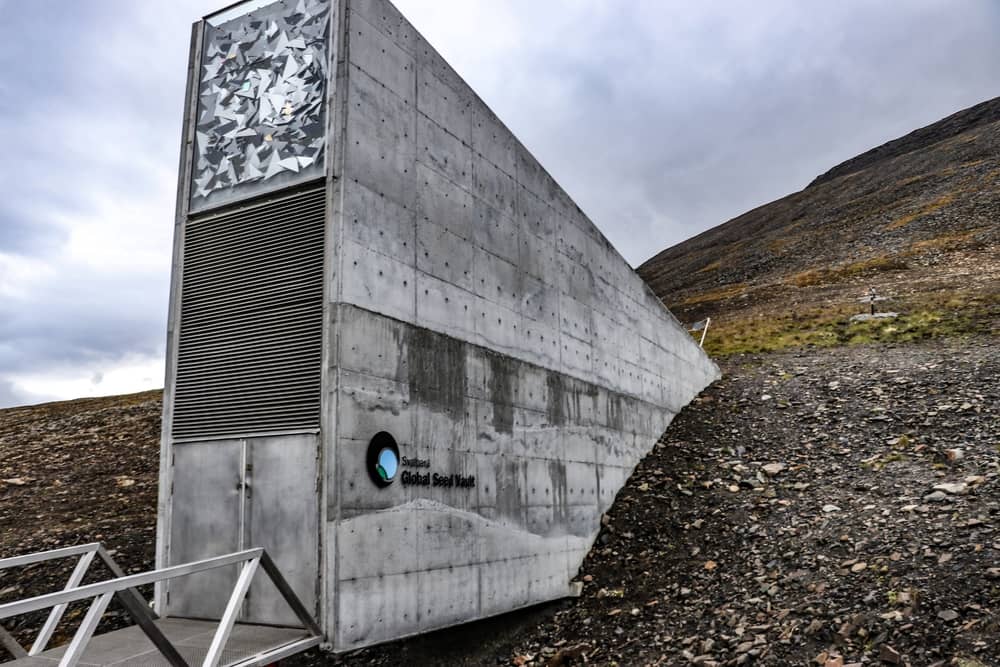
(153, 641)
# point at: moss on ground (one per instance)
(719, 294)
(921, 318)
(846, 272)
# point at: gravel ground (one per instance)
(821, 507)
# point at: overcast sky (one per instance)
(661, 118)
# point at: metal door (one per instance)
(282, 515)
(239, 494)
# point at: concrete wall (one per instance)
(487, 324)
(450, 223)
(471, 310)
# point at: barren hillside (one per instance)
(918, 219)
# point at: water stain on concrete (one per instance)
(560, 494)
(616, 411)
(554, 408)
(436, 370)
(501, 384)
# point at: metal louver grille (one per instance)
(249, 354)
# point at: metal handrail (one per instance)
(42, 556)
(87, 552)
(102, 593)
(123, 583)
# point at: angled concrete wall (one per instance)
(488, 325)
(469, 309)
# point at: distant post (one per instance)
(701, 326)
(872, 298)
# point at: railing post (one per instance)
(86, 630)
(144, 618)
(289, 595)
(112, 565)
(42, 640)
(231, 612)
(9, 643)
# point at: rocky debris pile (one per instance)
(814, 508)
(827, 509)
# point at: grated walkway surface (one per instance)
(130, 647)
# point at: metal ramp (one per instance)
(153, 641)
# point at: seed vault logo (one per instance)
(383, 459)
(384, 462)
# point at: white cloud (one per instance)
(20, 275)
(132, 374)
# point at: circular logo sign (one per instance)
(383, 459)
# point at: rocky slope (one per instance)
(918, 219)
(981, 114)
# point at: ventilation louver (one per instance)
(251, 319)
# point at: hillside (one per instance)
(917, 218)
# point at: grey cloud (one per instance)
(673, 117)
(22, 236)
(95, 119)
(69, 324)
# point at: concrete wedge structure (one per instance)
(400, 358)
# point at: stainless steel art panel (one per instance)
(261, 120)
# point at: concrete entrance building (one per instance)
(400, 357)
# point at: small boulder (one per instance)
(773, 469)
(889, 655)
(955, 489)
(936, 497)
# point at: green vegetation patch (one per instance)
(718, 294)
(921, 318)
(839, 274)
(945, 242)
